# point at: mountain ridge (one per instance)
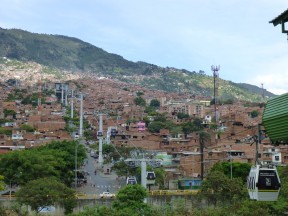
(72, 54)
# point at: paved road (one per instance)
(102, 181)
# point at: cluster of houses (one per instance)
(234, 138)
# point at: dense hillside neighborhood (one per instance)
(42, 103)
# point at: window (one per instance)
(276, 158)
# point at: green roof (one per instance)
(275, 119)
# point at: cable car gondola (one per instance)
(150, 177)
(263, 183)
(99, 134)
(114, 132)
(131, 180)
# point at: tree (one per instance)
(197, 122)
(187, 128)
(254, 113)
(2, 184)
(27, 127)
(130, 201)
(218, 187)
(156, 126)
(139, 93)
(55, 159)
(140, 101)
(9, 113)
(239, 170)
(46, 192)
(182, 115)
(155, 103)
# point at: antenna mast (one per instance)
(215, 70)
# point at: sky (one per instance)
(185, 34)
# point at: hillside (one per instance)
(71, 54)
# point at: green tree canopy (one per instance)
(239, 170)
(2, 183)
(182, 115)
(155, 103)
(218, 187)
(27, 127)
(46, 192)
(254, 113)
(140, 101)
(130, 201)
(55, 159)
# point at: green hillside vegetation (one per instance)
(57, 53)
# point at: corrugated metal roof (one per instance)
(279, 19)
(275, 118)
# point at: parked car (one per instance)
(46, 209)
(107, 194)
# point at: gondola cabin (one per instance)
(141, 126)
(99, 134)
(150, 177)
(114, 132)
(263, 183)
(131, 180)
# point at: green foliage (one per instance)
(187, 127)
(155, 103)
(140, 101)
(2, 121)
(130, 201)
(46, 192)
(5, 131)
(97, 211)
(27, 127)
(9, 113)
(149, 110)
(2, 184)
(60, 52)
(156, 126)
(217, 187)
(254, 113)
(31, 99)
(204, 137)
(182, 115)
(56, 159)
(197, 124)
(239, 170)
(139, 93)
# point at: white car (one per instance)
(107, 195)
(46, 209)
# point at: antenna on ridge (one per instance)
(215, 70)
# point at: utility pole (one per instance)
(72, 105)
(81, 116)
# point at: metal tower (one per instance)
(215, 70)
